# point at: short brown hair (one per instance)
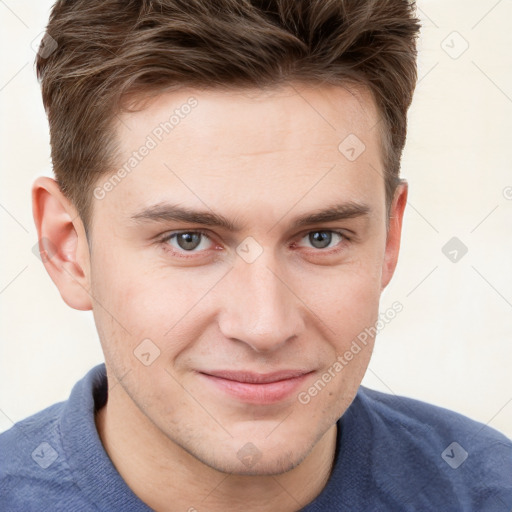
(108, 50)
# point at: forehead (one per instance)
(293, 111)
(249, 144)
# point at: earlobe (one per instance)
(394, 233)
(62, 243)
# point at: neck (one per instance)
(169, 479)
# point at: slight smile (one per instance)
(257, 388)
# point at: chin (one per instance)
(271, 465)
(259, 457)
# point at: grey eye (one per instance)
(188, 241)
(321, 239)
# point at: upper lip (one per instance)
(254, 377)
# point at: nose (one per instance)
(260, 308)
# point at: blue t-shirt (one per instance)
(392, 454)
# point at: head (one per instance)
(227, 198)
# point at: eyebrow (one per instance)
(166, 212)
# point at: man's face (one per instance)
(218, 336)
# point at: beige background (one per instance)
(452, 343)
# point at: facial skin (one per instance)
(261, 160)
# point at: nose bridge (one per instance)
(259, 309)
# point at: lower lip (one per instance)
(268, 393)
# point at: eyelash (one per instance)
(164, 241)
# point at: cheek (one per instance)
(122, 310)
(139, 300)
(345, 299)
(350, 310)
(128, 289)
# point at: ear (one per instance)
(394, 233)
(62, 243)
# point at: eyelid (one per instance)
(170, 234)
(345, 233)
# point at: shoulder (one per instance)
(32, 441)
(31, 460)
(425, 444)
(402, 416)
(34, 468)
